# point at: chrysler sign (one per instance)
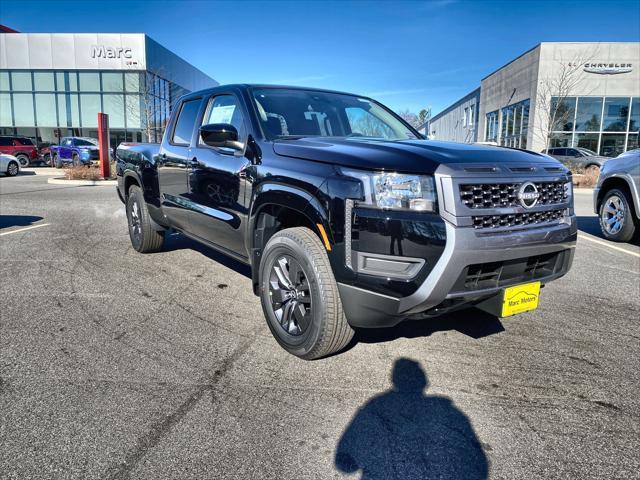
(607, 68)
(101, 51)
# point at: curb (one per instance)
(94, 183)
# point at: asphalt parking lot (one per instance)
(120, 365)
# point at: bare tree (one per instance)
(410, 117)
(149, 107)
(552, 108)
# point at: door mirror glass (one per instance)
(220, 135)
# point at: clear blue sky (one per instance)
(409, 55)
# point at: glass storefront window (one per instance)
(560, 140)
(114, 107)
(23, 109)
(4, 81)
(612, 144)
(634, 121)
(89, 108)
(21, 82)
(616, 113)
(73, 81)
(60, 82)
(74, 108)
(62, 110)
(112, 82)
(632, 142)
(46, 110)
(132, 82)
(43, 81)
(586, 140)
(132, 110)
(588, 114)
(6, 113)
(89, 81)
(563, 113)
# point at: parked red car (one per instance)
(20, 147)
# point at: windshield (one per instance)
(288, 113)
(587, 152)
(85, 142)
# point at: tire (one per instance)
(12, 169)
(616, 216)
(144, 238)
(56, 161)
(47, 160)
(23, 159)
(307, 332)
(75, 160)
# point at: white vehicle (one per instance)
(9, 165)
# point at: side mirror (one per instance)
(221, 135)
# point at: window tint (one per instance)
(5, 142)
(24, 141)
(185, 123)
(225, 109)
(560, 151)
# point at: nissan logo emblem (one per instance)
(528, 195)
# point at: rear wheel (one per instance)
(299, 295)
(47, 159)
(12, 169)
(144, 238)
(23, 159)
(616, 216)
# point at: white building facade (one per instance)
(562, 94)
(53, 85)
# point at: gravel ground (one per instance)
(120, 365)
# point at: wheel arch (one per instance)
(622, 183)
(277, 207)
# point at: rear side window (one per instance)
(25, 141)
(185, 123)
(5, 142)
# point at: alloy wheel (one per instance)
(24, 161)
(613, 215)
(135, 223)
(290, 295)
(13, 169)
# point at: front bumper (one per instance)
(465, 247)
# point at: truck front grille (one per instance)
(500, 195)
(517, 219)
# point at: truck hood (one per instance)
(410, 156)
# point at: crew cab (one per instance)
(347, 217)
(75, 151)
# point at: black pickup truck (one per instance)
(346, 215)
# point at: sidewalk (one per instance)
(43, 171)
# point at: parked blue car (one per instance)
(76, 151)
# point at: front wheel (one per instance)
(616, 216)
(299, 295)
(144, 238)
(12, 169)
(56, 161)
(76, 160)
(23, 159)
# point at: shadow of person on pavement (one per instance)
(405, 434)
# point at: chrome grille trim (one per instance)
(502, 195)
(518, 219)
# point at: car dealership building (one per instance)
(53, 85)
(571, 94)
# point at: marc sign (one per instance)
(102, 51)
(608, 68)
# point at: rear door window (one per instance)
(185, 123)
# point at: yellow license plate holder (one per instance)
(520, 299)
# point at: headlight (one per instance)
(397, 191)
